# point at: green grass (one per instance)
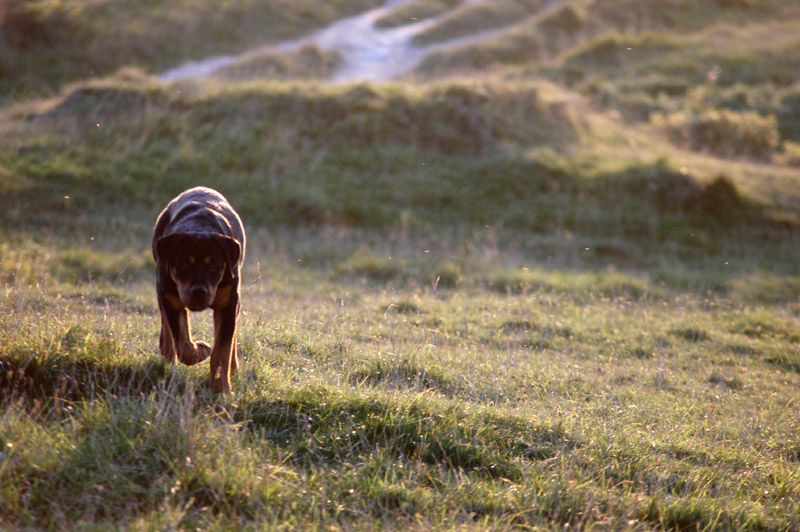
(560, 295)
(361, 404)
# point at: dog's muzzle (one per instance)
(199, 298)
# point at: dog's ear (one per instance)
(232, 250)
(167, 245)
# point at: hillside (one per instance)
(47, 44)
(548, 280)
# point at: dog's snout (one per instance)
(199, 291)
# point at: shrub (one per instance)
(722, 132)
(718, 200)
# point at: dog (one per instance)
(199, 248)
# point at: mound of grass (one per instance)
(270, 131)
(724, 133)
(448, 118)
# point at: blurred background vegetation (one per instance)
(657, 138)
(636, 129)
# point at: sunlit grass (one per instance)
(361, 400)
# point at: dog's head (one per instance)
(197, 263)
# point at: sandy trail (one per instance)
(368, 53)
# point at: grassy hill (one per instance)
(46, 44)
(548, 281)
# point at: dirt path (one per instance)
(368, 53)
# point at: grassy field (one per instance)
(555, 291)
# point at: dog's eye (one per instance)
(213, 267)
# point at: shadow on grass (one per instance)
(404, 374)
(321, 429)
(77, 366)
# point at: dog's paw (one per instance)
(191, 354)
(203, 351)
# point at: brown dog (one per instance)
(199, 247)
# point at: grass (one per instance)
(475, 18)
(367, 405)
(560, 295)
(635, 56)
(307, 62)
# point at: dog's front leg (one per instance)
(223, 354)
(166, 342)
(177, 317)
